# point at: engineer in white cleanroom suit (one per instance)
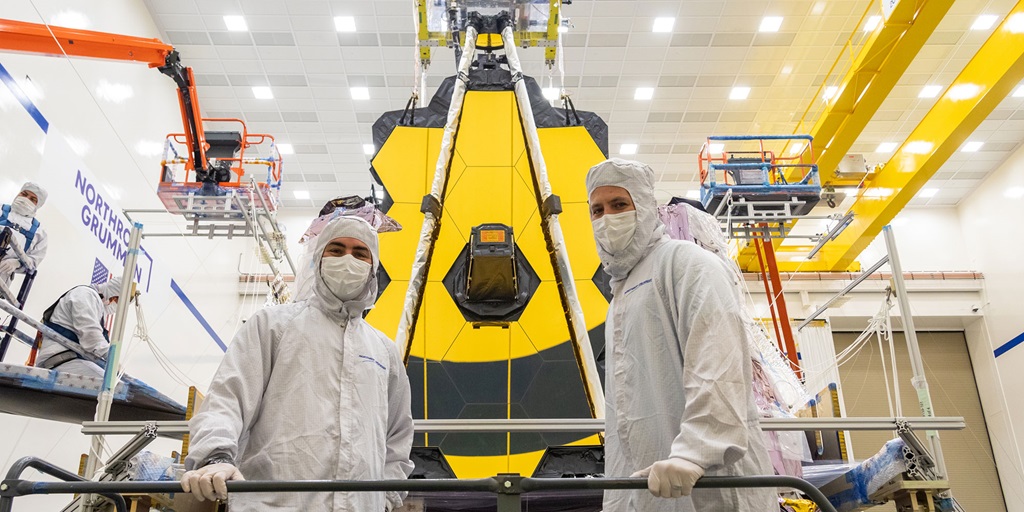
(78, 315)
(309, 391)
(678, 397)
(20, 217)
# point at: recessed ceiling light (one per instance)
(693, 194)
(872, 23)
(1015, 23)
(627, 149)
(787, 70)
(716, 148)
(1014, 192)
(344, 23)
(972, 146)
(739, 93)
(984, 22)
(819, 7)
(928, 192)
(886, 147)
(643, 93)
(796, 148)
(285, 149)
(918, 147)
(1019, 92)
(829, 92)
(963, 91)
(551, 93)
(262, 93)
(301, 194)
(664, 24)
(930, 91)
(368, 149)
(235, 23)
(770, 24)
(360, 93)
(563, 28)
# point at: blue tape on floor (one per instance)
(23, 98)
(195, 312)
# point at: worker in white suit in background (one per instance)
(679, 401)
(78, 316)
(309, 391)
(26, 233)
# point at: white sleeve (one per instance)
(235, 394)
(715, 426)
(37, 249)
(87, 320)
(397, 465)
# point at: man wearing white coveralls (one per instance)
(309, 391)
(678, 402)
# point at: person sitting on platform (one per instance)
(78, 316)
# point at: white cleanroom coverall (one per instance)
(37, 248)
(310, 391)
(81, 311)
(678, 374)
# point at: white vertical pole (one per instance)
(919, 381)
(106, 395)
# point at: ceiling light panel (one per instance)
(643, 93)
(770, 24)
(345, 23)
(235, 23)
(664, 24)
(262, 93)
(739, 93)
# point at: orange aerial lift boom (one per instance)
(20, 36)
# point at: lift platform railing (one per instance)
(508, 487)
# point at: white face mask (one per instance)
(110, 308)
(615, 231)
(23, 206)
(345, 276)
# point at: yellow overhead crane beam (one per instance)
(879, 65)
(881, 62)
(991, 74)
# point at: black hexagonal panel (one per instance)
(485, 444)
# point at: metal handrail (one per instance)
(7, 492)
(509, 487)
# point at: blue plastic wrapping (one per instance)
(149, 467)
(869, 476)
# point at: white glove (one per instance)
(671, 478)
(8, 266)
(210, 482)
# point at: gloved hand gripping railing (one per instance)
(508, 487)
